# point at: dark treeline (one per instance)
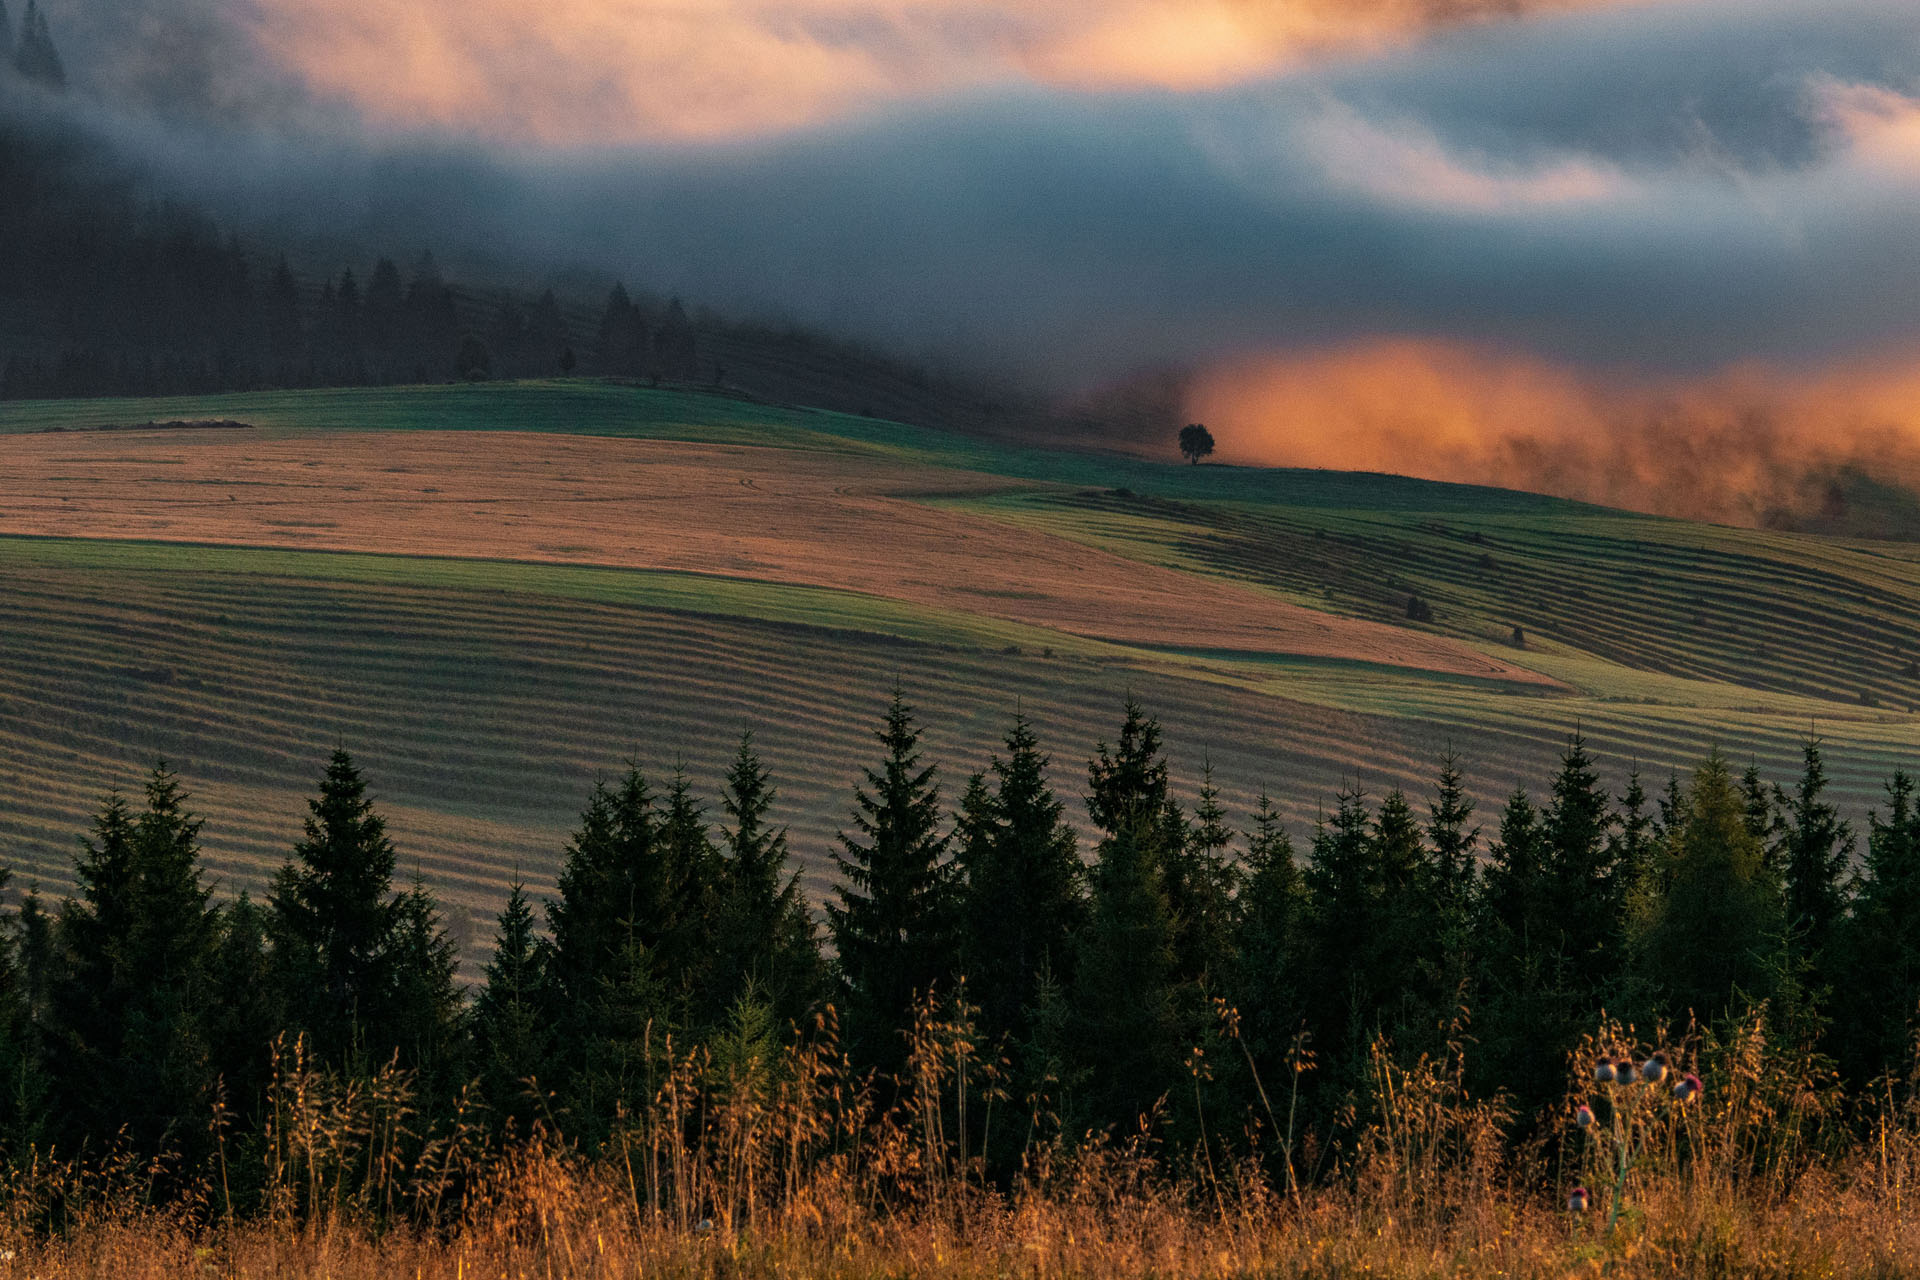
(1188, 965)
(104, 293)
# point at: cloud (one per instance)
(575, 72)
(1653, 190)
(1751, 445)
(1405, 164)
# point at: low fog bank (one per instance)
(1662, 192)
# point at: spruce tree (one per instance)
(1517, 980)
(23, 1080)
(1126, 1029)
(1132, 1014)
(512, 1035)
(1634, 839)
(1022, 896)
(1404, 944)
(1711, 941)
(246, 1011)
(689, 935)
(1338, 934)
(1267, 988)
(1817, 847)
(420, 1011)
(334, 920)
(1201, 886)
(893, 919)
(1880, 993)
(767, 942)
(128, 1025)
(1765, 816)
(285, 338)
(1584, 906)
(1453, 841)
(604, 990)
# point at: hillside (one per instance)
(493, 594)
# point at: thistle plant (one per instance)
(1630, 1094)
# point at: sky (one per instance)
(1656, 252)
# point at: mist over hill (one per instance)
(1666, 224)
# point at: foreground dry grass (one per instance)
(795, 1167)
(567, 1225)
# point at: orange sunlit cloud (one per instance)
(1752, 445)
(633, 70)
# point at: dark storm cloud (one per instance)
(1666, 186)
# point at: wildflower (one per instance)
(1687, 1088)
(1654, 1070)
(1577, 1200)
(1583, 1115)
(1603, 1072)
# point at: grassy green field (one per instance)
(486, 695)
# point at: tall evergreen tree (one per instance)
(1584, 907)
(1125, 1027)
(383, 309)
(23, 1079)
(422, 1003)
(689, 936)
(605, 992)
(1267, 987)
(1201, 886)
(285, 337)
(1517, 980)
(1405, 956)
(1765, 816)
(1453, 840)
(1341, 915)
(1879, 999)
(512, 1035)
(334, 919)
(1634, 838)
(1817, 846)
(127, 1016)
(1023, 898)
(1713, 935)
(893, 917)
(1131, 1010)
(767, 942)
(247, 1009)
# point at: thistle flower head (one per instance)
(1603, 1071)
(1583, 1116)
(1577, 1200)
(1687, 1088)
(1654, 1069)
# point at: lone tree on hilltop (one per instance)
(1196, 442)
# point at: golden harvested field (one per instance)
(491, 618)
(778, 515)
(483, 715)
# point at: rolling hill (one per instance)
(493, 594)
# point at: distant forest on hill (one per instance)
(102, 294)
